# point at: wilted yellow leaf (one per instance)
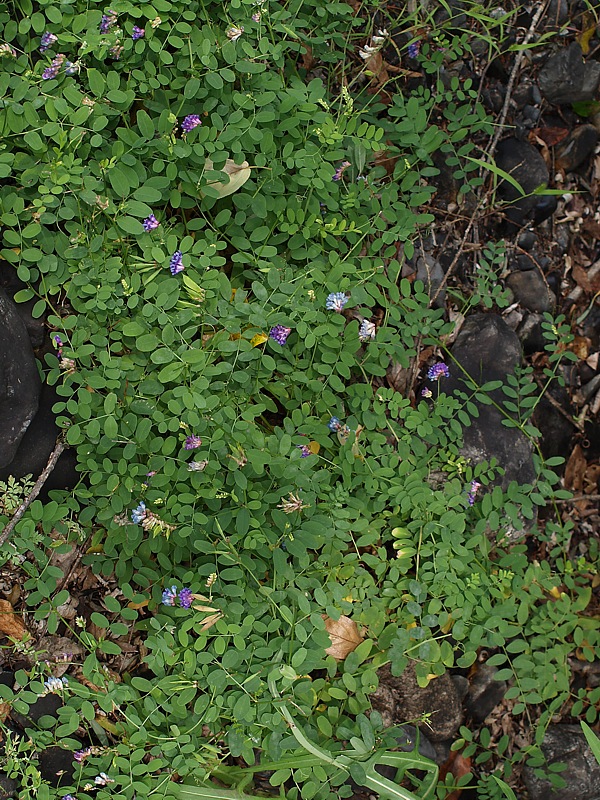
(258, 339)
(210, 621)
(238, 175)
(314, 447)
(344, 634)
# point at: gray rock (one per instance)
(566, 78)
(566, 744)
(20, 382)
(8, 787)
(527, 240)
(431, 273)
(488, 350)
(531, 334)
(439, 701)
(577, 148)
(484, 693)
(523, 162)
(531, 290)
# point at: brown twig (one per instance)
(579, 497)
(37, 487)
(492, 147)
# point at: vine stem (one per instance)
(37, 487)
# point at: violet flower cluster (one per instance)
(475, 487)
(108, 20)
(190, 122)
(150, 223)
(192, 442)
(47, 40)
(137, 33)
(437, 371)
(170, 596)
(52, 71)
(176, 264)
(279, 334)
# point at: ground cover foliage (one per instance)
(217, 241)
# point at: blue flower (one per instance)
(305, 450)
(139, 514)
(437, 371)
(108, 20)
(192, 442)
(137, 33)
(334, 424)
(176, 265)
(169, 596)
(336, 301)
(414, 49)
(367, 331)
(54, 68)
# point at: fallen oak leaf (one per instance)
(11, 624)
(344, 634)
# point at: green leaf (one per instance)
(96, 82)
(145, 125)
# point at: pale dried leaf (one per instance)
(238, 175)
(11, 624)
(210, 621)
(344, 634)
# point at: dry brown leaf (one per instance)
(11, 624)
(457, 766)
(344, 634)
(575, 470)
(580, 346)
(551, 136)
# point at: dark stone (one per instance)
(531, 290)
(38, 442)
(531, 334)
(484, 693)
(7, 678)
(566, 78)
(577, 148)
(8, 787)
(524, 263)
(45, 706)
(439, 700)
(556, 429)
(566, 744)
(525, 164)
(488, 350)
(556, 14)
(527, 240)
(57, 766)
(11, 283)
(20, 382)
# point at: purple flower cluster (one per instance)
(367, 330)
(437, 371)
(186, 596)
(54, 68)
(108, 20)
(192, 442)
(150, 223)
(137, 33)
(279, 334)
(305, 450)
(176, 265)
(337, 175)
(426, 392)
(190, 122)
(102, 779)
(116, 51)
(414, 49)
(81, 755)
(336, 301)
(475, 487)
(72, 68)
(47, 40)
(334, 424)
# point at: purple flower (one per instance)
(169, 596)
(102, 779)
(47, 41)
(426, 392)
(367, 330)
(139, 514)
(256, 16)
(279, 334)
(334, 424)
(150, 223)
(475, 487)
(68, 797)
(81, 755)
(336, 301)
(192, 442)
(72, 68)
(53, 70)
(116, 51)
(57, 340)
(414, 49)
(176, 265)
(185, 598)
(439, 370)
(305, 450)
(190, 122)
(137, 33)
(340, 171)
(108, 20)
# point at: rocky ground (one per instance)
(546, 101)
